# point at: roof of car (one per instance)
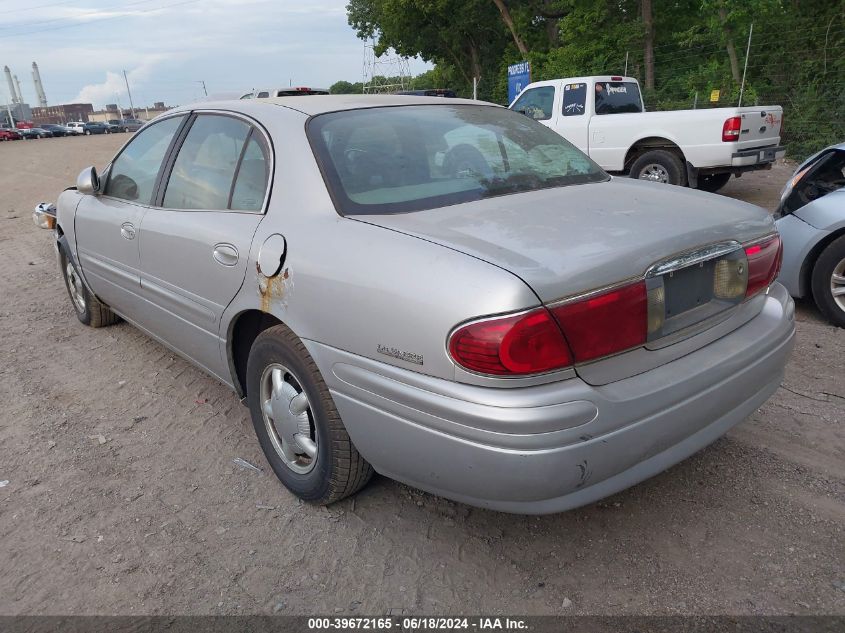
(318, 104)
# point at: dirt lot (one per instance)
(122, 497)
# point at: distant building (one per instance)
(113, 113)
(20, 111)
(62, 113)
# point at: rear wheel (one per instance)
(89, 310)
(659, 165)
(828, 282)
(713, 182)
(297, 424)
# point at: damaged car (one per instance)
(441, 291)
(811, 221)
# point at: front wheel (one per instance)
(659, 165)
(828, 282)
(87, 132)
(298, 427)
(89, 310)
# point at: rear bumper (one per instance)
(757, 157)
(553, 447)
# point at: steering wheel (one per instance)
(466, 161)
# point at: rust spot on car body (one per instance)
(276, 288)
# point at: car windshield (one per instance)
(411, 158)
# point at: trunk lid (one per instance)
(569, 240)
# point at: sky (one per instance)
(168, 47)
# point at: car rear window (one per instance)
(617, 97)
(410, 158)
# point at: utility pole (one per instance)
(131, 105)
(203, 87)
(745, 69)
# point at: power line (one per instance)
(40, 6)
(98, 21)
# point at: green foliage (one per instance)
(346, 88)
(797, 57)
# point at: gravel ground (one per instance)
(122, 497)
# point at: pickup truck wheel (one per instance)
(297, 424)
(828, 282)
(713, 182)
(658, 165)
(89, 310)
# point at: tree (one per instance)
(467, 35)
(508, 20)
(648, 42)
(346, 88)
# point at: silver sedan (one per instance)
(811, 220)
(447, 293)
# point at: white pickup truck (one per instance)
(605, 118)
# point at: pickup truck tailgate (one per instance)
(760, 127)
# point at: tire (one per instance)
(659, 165)
(336, 469)
(713, 182)
(125, 130)
(830, 262)
(89, 310)
(87, 132)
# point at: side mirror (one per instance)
(87, 181)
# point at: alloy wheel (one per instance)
(654, 172)
(288, 418)
(74, 284)
(837, 284)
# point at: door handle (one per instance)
(225, 254)
(127, 230)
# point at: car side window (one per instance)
(574, 99)
(536, 103)
(204, 173)
(251, 180)
(134, 172)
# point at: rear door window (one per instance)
(617, 97)
(251, 179)
(221, 165)
(574, 99)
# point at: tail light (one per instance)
(606, 323)
(731, 129)
(764, 259)
(599, 324)
(529, 343)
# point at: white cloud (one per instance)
(114, 86)
(171, 46)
